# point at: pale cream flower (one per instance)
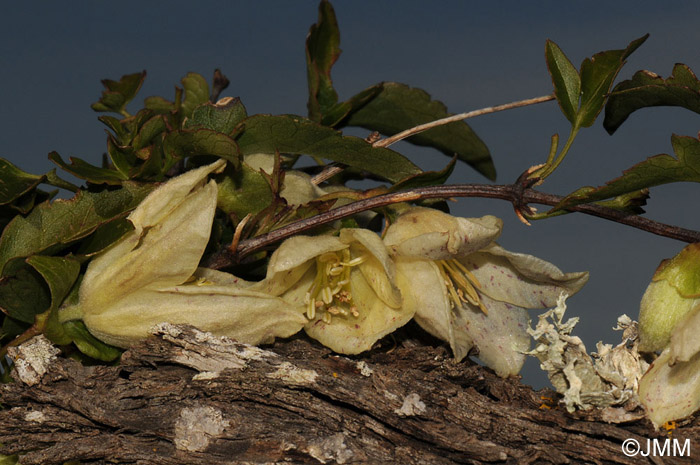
(344, 285)
(150, 275)
(467, 290)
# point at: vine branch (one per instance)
(520, 197)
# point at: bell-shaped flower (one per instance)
(669, 320)
(151, 275)
(343, 285)
(467, 290)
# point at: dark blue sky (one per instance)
(467, 54)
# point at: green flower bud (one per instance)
(673, 292)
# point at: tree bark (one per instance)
(187, 397)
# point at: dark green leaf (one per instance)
(123, 158)
(597, 76)
(89, 344)
(150, 129)
(60, 274)
(567, 83)
(300, 136)
(14, 182)
(104, 236)
(654, 171)
(23, 292)
(340, 111)
(322, 51)
(426, 178)
(53, 179)
(188, 143)
(399, 107)
(56, 224)
(12, 328)
(222, 116)
(196, 93)
(243, 191)
(647, 89)
(159, 105)
(631, 202)
(120, 132)
(118, 94)
(85, 170)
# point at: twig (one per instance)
(219, 83)
(451, 119)
(514, 193)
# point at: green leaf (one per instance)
(148, 131)
(243, 191)
(222, 116)
(654, 171)
(159, 105)
(647, 89)
(59, 223)
(196, 93)
(597, 76)
(60, 274)
(340, 111)
(89, 344)
(118, 94)
(426, 178)
(322, 51)
(300, 136)
(567, 83)
(14, 182)
(115, 124)
(188, 143)
(104, 236)
(23, 292)
(399, 107)
(84, 170)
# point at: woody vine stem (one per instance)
(519, 194)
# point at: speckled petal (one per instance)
(431, 234)
(520, 279)
(670, 392)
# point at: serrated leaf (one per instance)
(84, 170)
(426, 178)
(123, 158)
(398, 107)
(59, 223)
(118, 94)
(196, 142)
(322, 51)
(222, 116)
(647, 89)
(14, 182)
(89, 344)
(243, 191)
(654, 171)
(341, 110)
(300, 136)
(23, 292)
(196, 93)
(565, 78)
(120, 132)
(159, 105)
(597, 76)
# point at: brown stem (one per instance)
(514, 193)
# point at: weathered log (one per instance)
(186, 397)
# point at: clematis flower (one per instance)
(669, 320)
(150, 276)
(343, 285)
(467, 290)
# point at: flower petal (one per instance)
(430, 302)
(501, 336)
(154, 255)
(685, 342)
(378, 268)
(661, 310)
(431, 234)
(521, 279)
(247, 316)
(670, 392)
(352, 335)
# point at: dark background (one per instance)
(467, 54)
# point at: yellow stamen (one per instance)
(461, 284)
